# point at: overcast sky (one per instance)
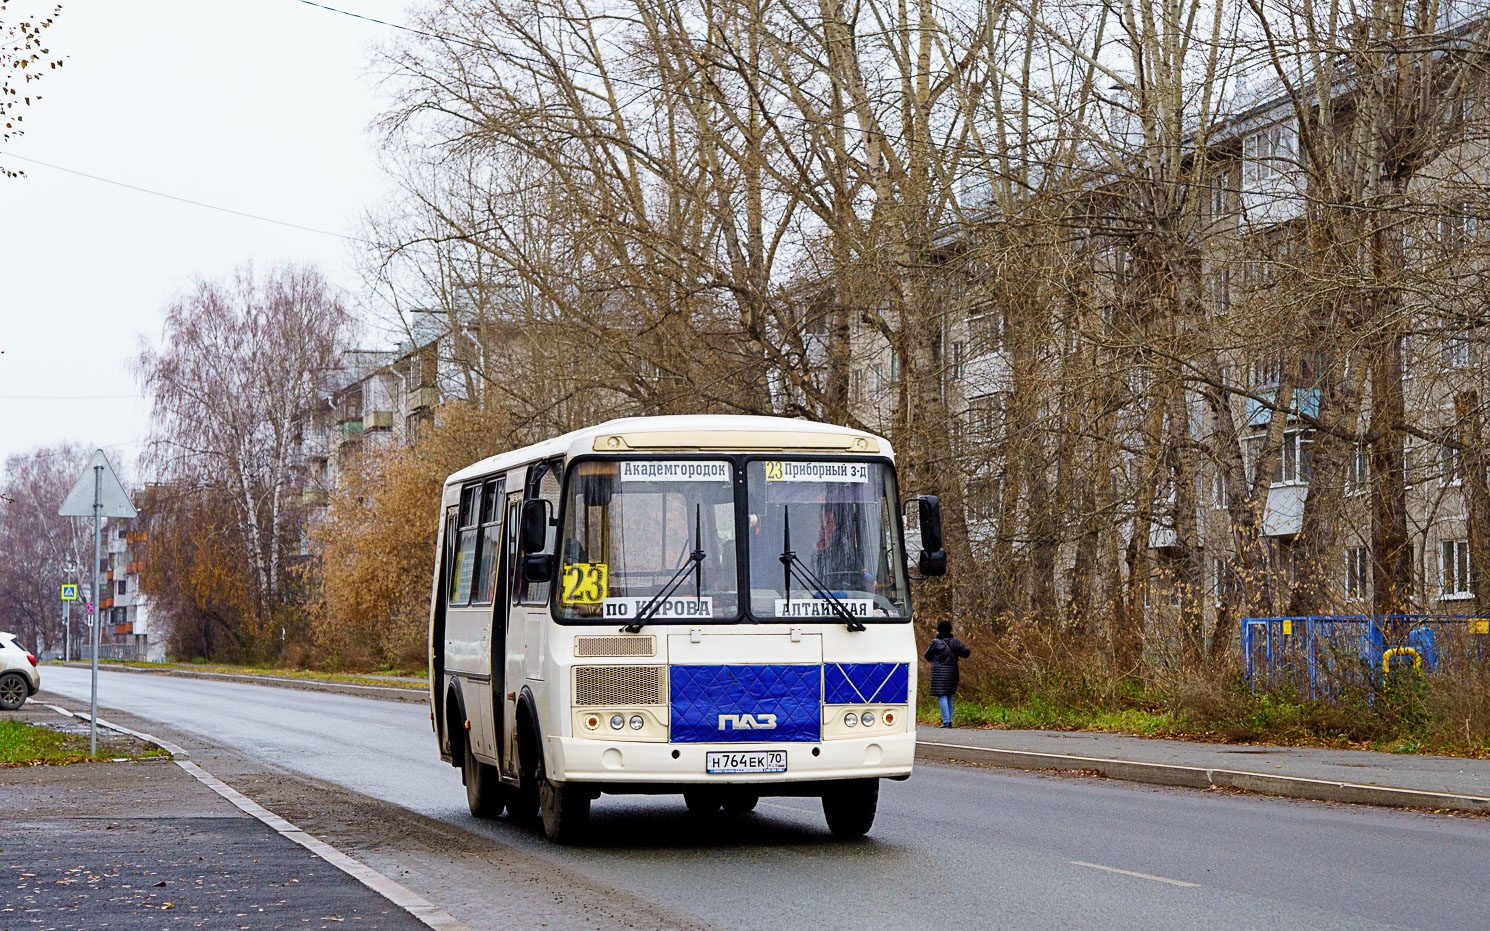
(260, 106)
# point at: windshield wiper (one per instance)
(791, 565)
(695, 562)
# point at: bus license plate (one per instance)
(749, 761)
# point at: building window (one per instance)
(879, 377)
(1220, 205)
(1292, 467)
(1456, 352)
(1404, 352)
(1223, 578)
(959, 361)
(121, 588)
(1358, 470)
(986, 325)
(1223, 291)
(1357, 571)
(1219, 497)
(1453, 569)
(1268, 153)
(985, 416)
(983, 497)
(1448, 466)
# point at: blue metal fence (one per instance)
(1321, 656)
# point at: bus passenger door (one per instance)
(512, 647)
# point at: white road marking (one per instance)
(1113, 869)
(786, 808)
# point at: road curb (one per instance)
(386, 692)
(1198, 777)
(177, 753)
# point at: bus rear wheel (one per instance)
(484, 795)
(850, 807)
(701, 801)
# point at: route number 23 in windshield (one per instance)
(585, 583)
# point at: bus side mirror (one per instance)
(538, 567)
(933, 559)
(535, 526)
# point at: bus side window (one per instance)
(536, 593)
(489, 545)
(514, 518)
(451, 524)
(463, 572)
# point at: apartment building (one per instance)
(1255, 208)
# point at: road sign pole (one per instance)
(97, 609)
(109, 499)
(66, 631)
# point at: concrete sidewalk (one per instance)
(1360, 776)
(144, 845)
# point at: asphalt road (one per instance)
(954, 847)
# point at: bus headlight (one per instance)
(850, 719)
(617, 722)
(868, 718)
(638, 722)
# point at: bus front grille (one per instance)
(620, 685)
(644, 645)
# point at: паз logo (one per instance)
(747, 722)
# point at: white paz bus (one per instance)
(706, 605)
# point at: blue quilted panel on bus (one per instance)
(745, 703)
(863, 683)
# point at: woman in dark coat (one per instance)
(943, 654)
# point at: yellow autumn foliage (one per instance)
(374, 547)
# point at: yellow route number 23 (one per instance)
(584, 583)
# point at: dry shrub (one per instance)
(375, 546)
(1460, 705)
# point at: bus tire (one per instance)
(850, 807)
(740, 802)
(701, 801)
(565, 808)
(523, 798)
(484, 795)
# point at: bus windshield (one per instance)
(653, 536)
(824, 536)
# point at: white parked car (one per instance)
(19, 677)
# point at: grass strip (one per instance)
(309, 675)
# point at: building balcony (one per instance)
(313, 497)
(349, 432)
(428, 396)
(377, 420)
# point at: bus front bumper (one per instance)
(601, 761)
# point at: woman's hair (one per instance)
(943, 628)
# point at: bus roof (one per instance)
(691, 433)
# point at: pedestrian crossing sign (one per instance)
(69, 593)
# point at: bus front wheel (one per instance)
(850, 807)
(565, 809)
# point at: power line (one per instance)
(955, 147)
(187, 200)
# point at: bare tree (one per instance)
(236, 364)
